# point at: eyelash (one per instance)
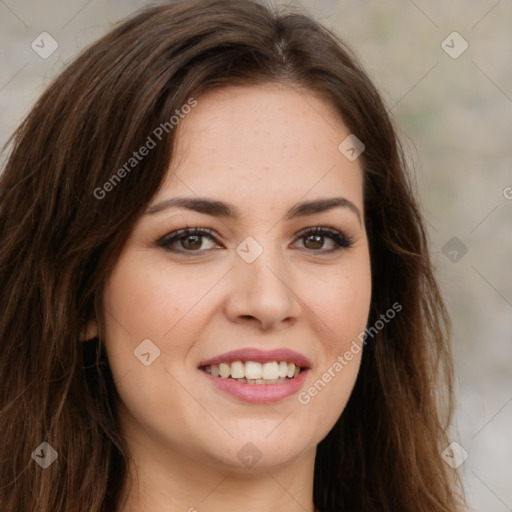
(341, 241)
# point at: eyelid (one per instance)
(342, 240)
(178, 234)
(339, 238)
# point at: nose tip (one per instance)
(260, 292)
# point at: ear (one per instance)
(90, 332)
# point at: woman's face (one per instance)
(257, 283)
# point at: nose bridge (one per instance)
(262, 282)
(263, 262)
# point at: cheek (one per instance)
(147, 301)
(144, 300)
(342, 306)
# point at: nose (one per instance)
(262, 293)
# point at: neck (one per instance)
(177, 481)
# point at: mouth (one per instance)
(257, 376)
(253, 372)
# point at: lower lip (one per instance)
(259, 393)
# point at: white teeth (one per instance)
(270, 371)
(252, 372)
(237, 370)
(225, 370)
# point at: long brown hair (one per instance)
(60, 240)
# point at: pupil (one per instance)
(318, 239)
(192, 245)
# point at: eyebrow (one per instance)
(226, 210)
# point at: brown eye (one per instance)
(191, 242)
(314, 238)
(188, 240)
(313, 242)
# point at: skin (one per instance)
(263, 149)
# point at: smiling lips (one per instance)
(252, 372)
(255, 375)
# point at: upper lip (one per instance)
(259, 356)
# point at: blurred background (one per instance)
(445, 72)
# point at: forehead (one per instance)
(268, 140)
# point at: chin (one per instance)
(250, 453)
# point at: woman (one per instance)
(216, 287)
